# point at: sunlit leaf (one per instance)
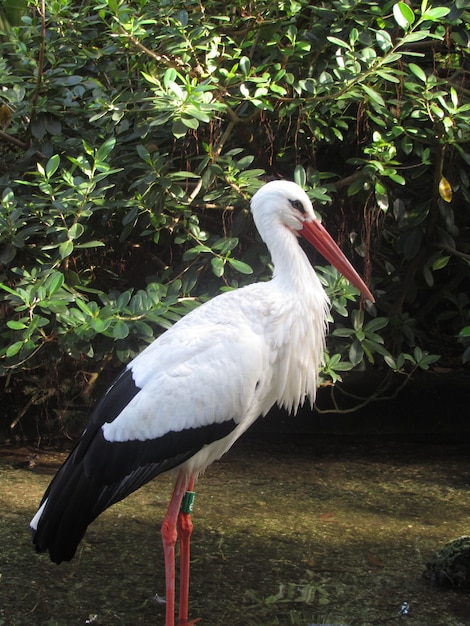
(52, 165)
(218, 266)
(445, 190)
(66, 248)
(83, 306)
(339, 42)
(381, 196)
(16, 325)
(417, 71)
(89, 244)
(14, 348)
(240, 266)
(75, 231)
(245, 65)
(373, 95)
(403, 15)
(300, 176)
(384, 41)
(436, 13)
(440, 263)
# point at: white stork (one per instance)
(182, 402)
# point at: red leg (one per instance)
(185, 528)
(169, 536)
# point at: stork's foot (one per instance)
(191, 623)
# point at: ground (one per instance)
(288, 530)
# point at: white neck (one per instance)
(305, 311)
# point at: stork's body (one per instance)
(189, 395)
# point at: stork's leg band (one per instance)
(188, 502)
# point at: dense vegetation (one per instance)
(134, 133)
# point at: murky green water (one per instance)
(300, 531)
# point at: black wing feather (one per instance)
(99, 473)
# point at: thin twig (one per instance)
(363, 402)
(161, 58)
(461, 255)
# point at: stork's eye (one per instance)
(297, 204)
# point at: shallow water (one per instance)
(301, 530)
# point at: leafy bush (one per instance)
(134, 134)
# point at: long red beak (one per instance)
(318, 236)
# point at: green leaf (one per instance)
(403, 15)
(381, 196)
(374, 346)
(277, 89)
(376, 324)
(417, 71)
(120, 330)
(343, 332)
(392, 78)
(384, 41)
(71, 80)
(428, 277)
(300, 176)
(169, 76)
(224, 245)
(245, 65)
(198, 114)
(183, 17)
(218, 266)
(105, 149)
(55, 282)
(16, 325)
(83, 306)
(52, 165)
(240, 266)
(99, 325)
(75, 231)
(374, 95)
(440, 263)
(411, 37)
(436, 13)
(124, 299)
(90, 244)
(179, 129)
(339, 42)
(397, 178)
(356, 353)
(193, 252)
(454, 97)
(14, 348)
(66, 248)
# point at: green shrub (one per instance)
(134, 134)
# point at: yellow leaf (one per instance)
(445, 190)
(5, 116)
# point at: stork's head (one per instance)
(282, 203)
